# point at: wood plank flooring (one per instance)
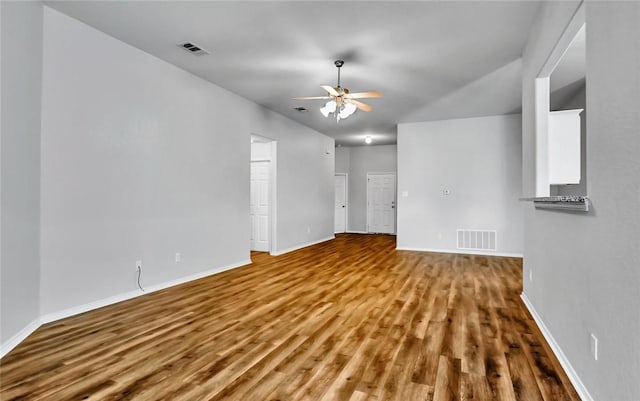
(350, 319)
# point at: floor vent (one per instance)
(478, 240)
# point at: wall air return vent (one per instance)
(193, 48)
(477, 240)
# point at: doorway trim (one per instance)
(273, 176)
(346, 202)
(395, 200)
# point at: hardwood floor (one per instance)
(349, 319)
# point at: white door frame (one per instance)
(273, 180)
(273, 193)
(395, 200)
(346, 201)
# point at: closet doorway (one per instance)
(262, 194)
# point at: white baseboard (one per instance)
(76, 310)
(295, 248)
(581, 389)
(196, 276)
(462, 252)
(19, 337)
(356, 232)
(51, 317)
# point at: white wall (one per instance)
(357, 161)
(585, 265)
(21, 43)
(141, 160)
(478, 160)
(490, 95)
(342, 159)
(305, 182)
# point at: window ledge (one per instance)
(564, 202)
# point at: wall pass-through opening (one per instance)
(560, 115)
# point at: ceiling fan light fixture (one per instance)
(347, 110)
(329, 107)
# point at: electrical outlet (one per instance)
(138, 265)
(178, 257)
(530, 274)
(593, 345)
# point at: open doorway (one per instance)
(262, 194)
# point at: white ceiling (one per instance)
(415, 53)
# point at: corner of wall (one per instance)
(21, 77)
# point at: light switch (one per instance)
(405, 194)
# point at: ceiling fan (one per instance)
(341, 102)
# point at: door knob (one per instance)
(342, 205)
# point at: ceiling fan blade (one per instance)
(362, 95)
(360, 105)
(330, 89)
(311, 97)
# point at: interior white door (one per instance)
(381, 203)
(340, 224)
(259, 206)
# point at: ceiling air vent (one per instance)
(193, 48)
